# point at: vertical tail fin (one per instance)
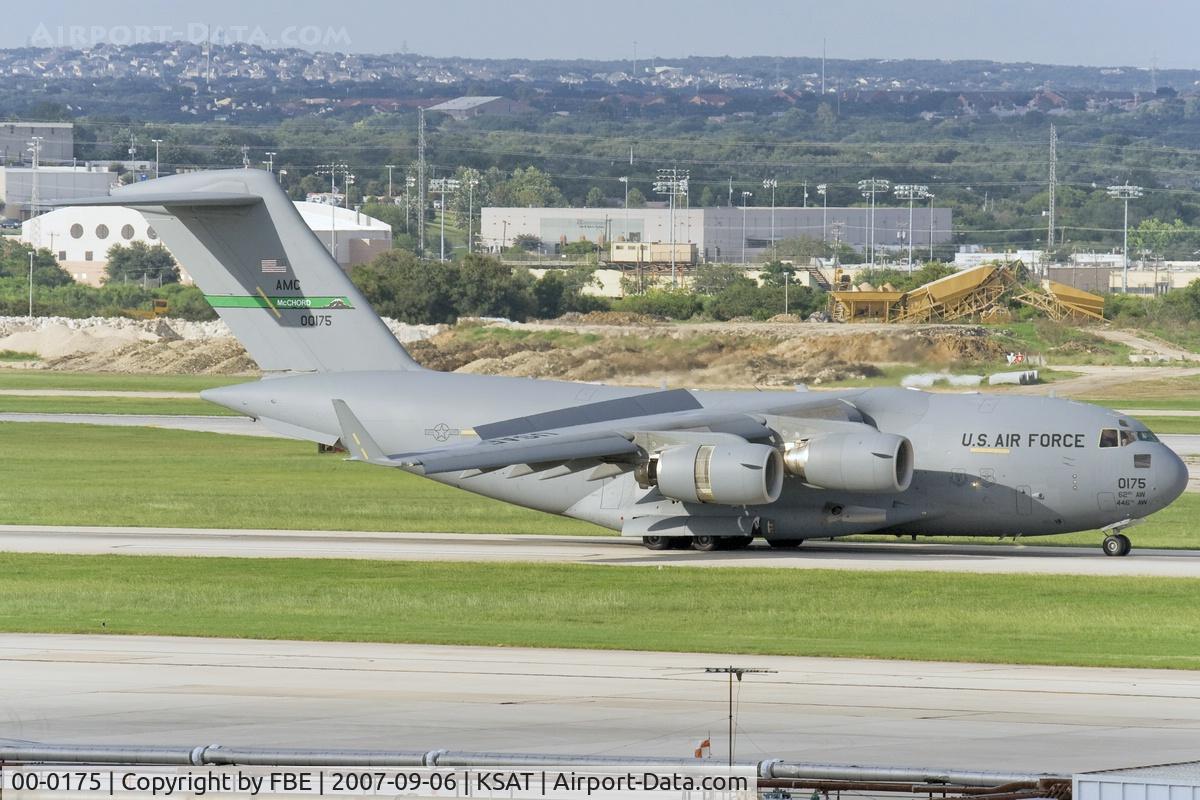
(264, 271)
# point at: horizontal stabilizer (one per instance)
(166, 200)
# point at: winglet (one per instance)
(355, 437)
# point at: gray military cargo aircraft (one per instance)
(676, 468)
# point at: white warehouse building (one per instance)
(80, 237)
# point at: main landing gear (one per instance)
(705, 544)
(1117, 544)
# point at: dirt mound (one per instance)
(211, 356)
(608, 318)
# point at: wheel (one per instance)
(736, 542)
(657, 542)
(784, 544)
(1117, 545)
(706, 544)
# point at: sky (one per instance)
(1082, 32)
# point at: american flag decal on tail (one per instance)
(273, 265)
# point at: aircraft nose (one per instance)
(1174, 476)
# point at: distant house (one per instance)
(467, 107)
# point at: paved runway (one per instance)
(158, 690)
(615, 551)
(243, 426)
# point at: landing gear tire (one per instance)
(706, 544)
(1117, 545)
(657, 542)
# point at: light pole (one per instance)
(441, 186)
(31, 284)
(409, 183)
(869, 188)
(279, 176)
(270, 161)
(823, 190)
(745, 196)
(625, 180)
(672, 182)
(390, 167)
(157, 142)
(332, 170)
(910, 192)
(930, 196)
(35, 147)
(471, 184)
(771, 183)
(1126, 193)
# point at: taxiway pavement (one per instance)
(180, 691)
(604, 550)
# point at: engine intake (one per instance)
(853, 462)
(736, 474)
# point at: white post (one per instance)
(1125, 253)
(31, 285)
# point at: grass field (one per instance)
(113, 381)
(110, 405)
(1111, 622)
(92, 475)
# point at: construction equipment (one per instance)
(980, 293)
(160, 308)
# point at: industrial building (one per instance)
(461, 108)
(57, 142)
(80, 237)
(721, 235)
(19, 185)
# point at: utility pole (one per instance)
(1126, 193)
(771, 183)
(390, 167)
(869, 188)
(731, 672)
(157, 142)
(910, 192)
(1053, 183)
(745, 196)
(421, 179)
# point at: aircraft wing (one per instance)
(609, 429)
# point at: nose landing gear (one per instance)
(1117, 544)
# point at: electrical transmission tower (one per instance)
(1053, 183)
(421, 182)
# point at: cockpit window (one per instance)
(1128, 438)
(1109, 438)
(1146, 436)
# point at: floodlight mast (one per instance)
(1126, 193)
(869, 188)
(772, 184)
(672, 182)
(910, 192)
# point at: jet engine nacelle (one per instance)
(735, 474)
(853, 462)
